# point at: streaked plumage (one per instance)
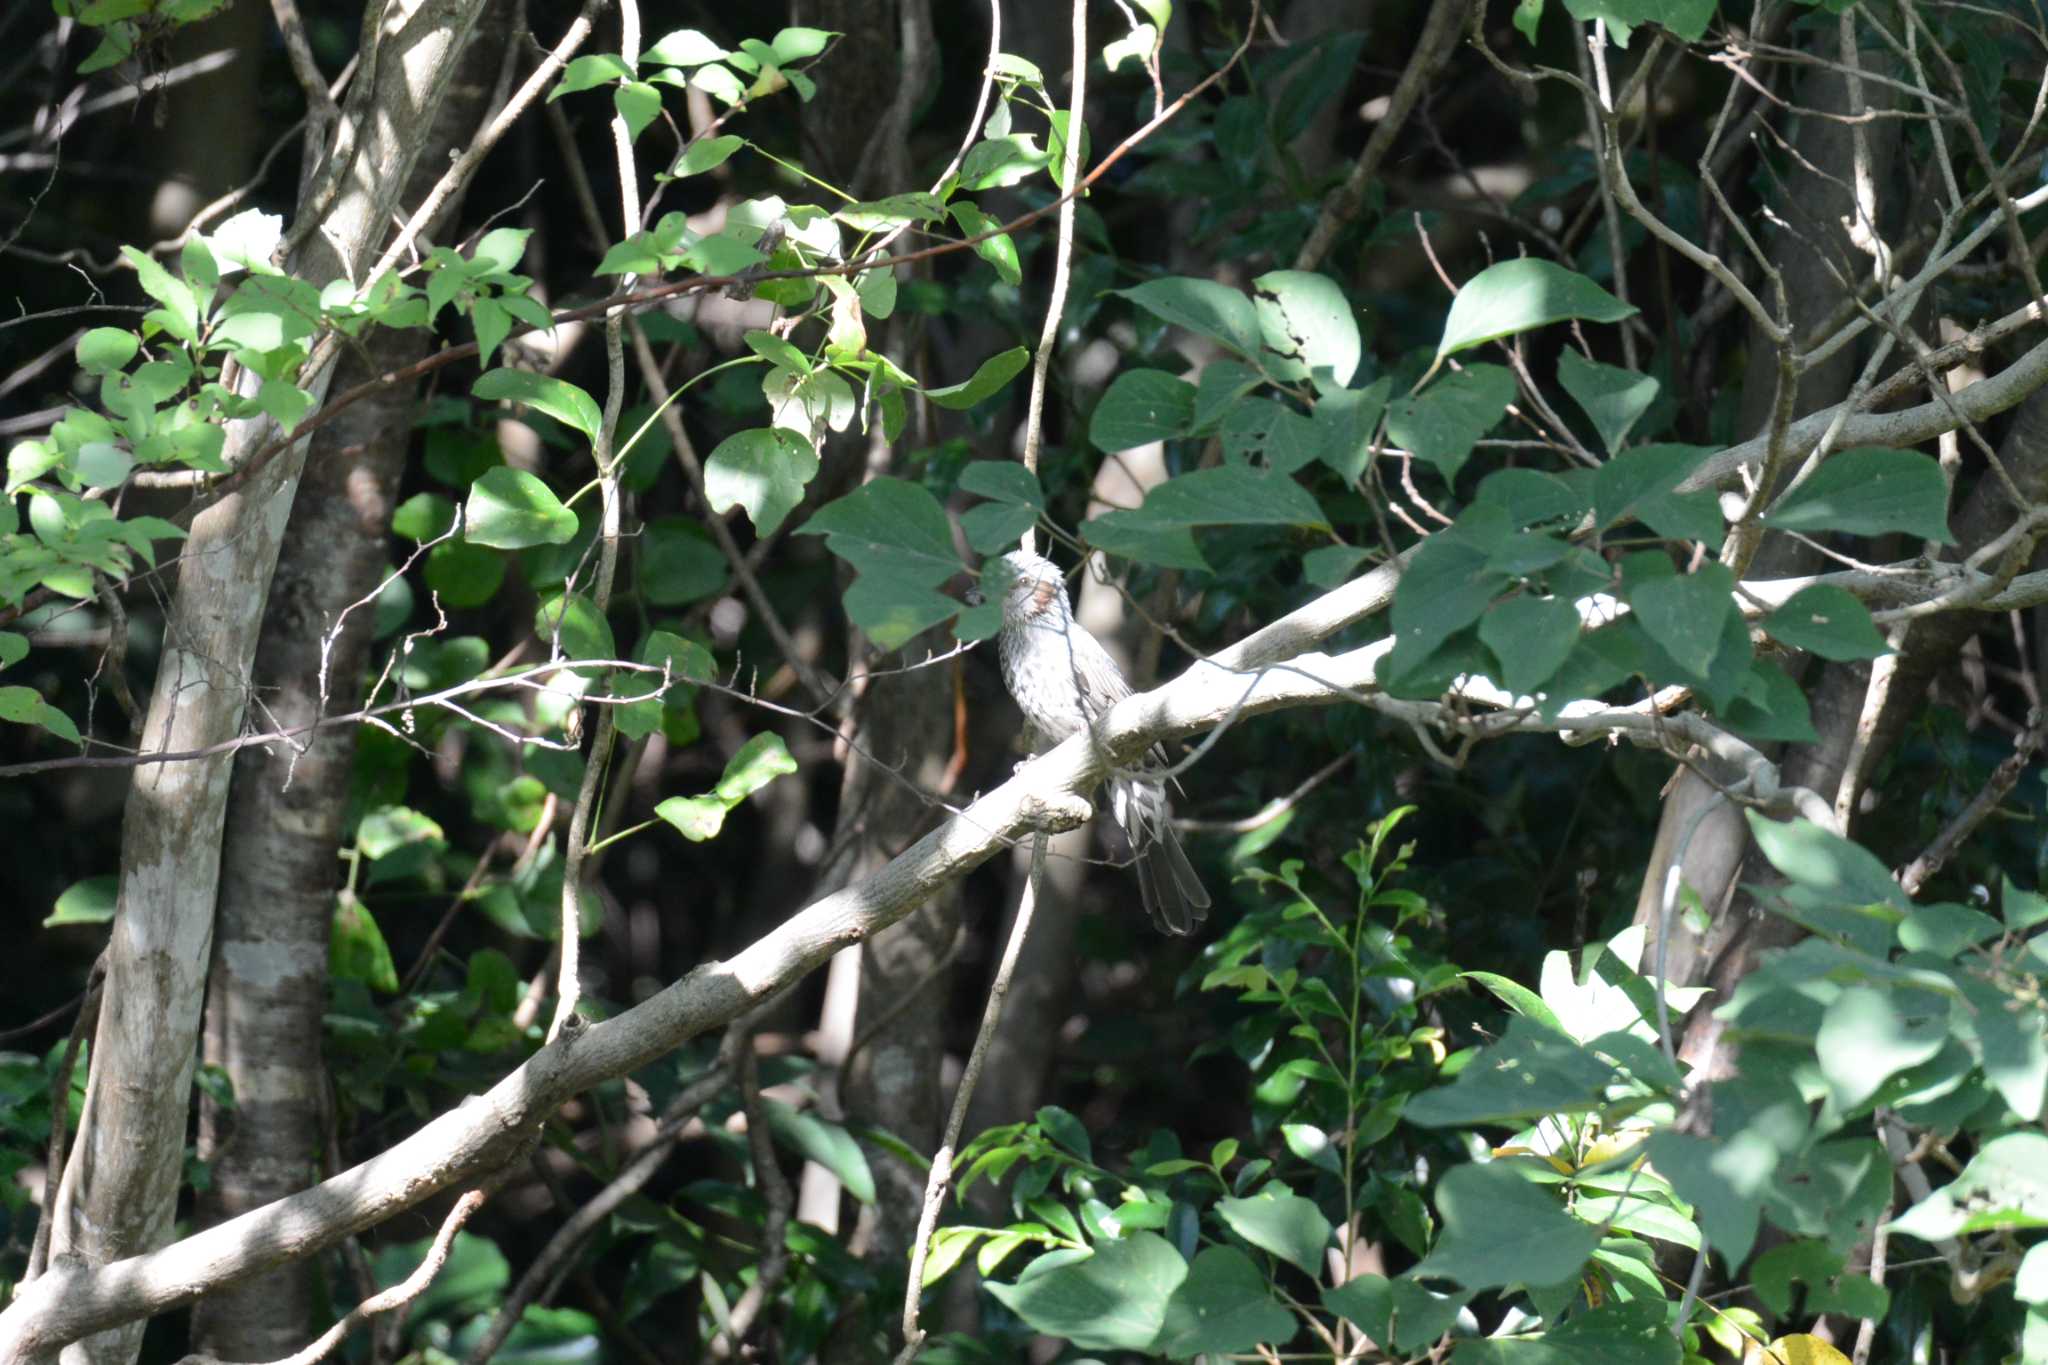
(1063, 679)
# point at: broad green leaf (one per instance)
(684, 47)
(795, 44)
(1218, 388)
(1329, 565)
(706, 153)
(464, 575)
(639, 104)
(557, 398)
(585, 73)
(288, 403)
(1532, 1071)
(1394, 1314)
(994, 373)
(2008, 1042)
(764, 470)
(356, 950)
(574, 623)
(2005, 1185)
(1270, 433)
(1231, 495)
(1687, 19)
(1141, 406)
(999, 162)
(1532, 637)
(1828, 622)
(889, 524)
(1204, 307)
(1499, 1229)
(13, 648)
(1642, 483)
(1066, 1130)
(1687, 614)
(1441, 424)
(25, 705)
(1519, 296)
(1003, 480)
(510, 509)
(1768, 705)
(999, 251)
(1286, 1225)
(1224, 1305)
(1129, 534)
(423, 516)
(824, 1142)
(1842, 872)
(759, 761)
(1871, 1033)
(499, 250)
(1445, 588)
(1613, 397)
(92, 901)
(1869, 491)
(879, 215)
(102, 350)
(1115, 1299)
(100, 464)
(386, 830)
(678, 563)
(1345, 421)
(1308, 327)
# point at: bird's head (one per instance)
(1032, 587)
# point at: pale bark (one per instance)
(131, 1150)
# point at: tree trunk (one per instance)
(131, 1145)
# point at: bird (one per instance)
(1064, 681)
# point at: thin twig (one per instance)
(775, 1192)
(1980, 806)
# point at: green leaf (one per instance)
(795, 44)
(1519, 296)
(498, 251)
(1870, 1033)
(1532, 637)
(889, 525)
(92, 901)
(824, 1142)
(1345, 420)
(1141, 406)
(999, 251)
(1128, 534)
(759, 761)
(1308, 328)
(1286, 1225)
(1003, 480)
(764, 470)
(25, 705)
(2005, 1185)
(999, 162)
(1869, 491)
(1641, 483)
(1532, 1071)
(1329, 565)
(1394, 1314)
(1499, 1229)
(706, 154)
(684, 47)
(356, 950)
(557, 398)
(1828, 622)
(575, 623)
(639, 104)
(464, 575)
(1204, 307)
(102, 350)
(510, 509)
(1270, 433)
(585, 73)
(1613, 397)
(879, 215)
(1442, 423)
(1223, 1306)
(1230, 495)
(423, 517)
(13, 648)
(1115, 1299)
(1824, 862)
(1687, 19)
(1218, 388)
(286, 402)
(994, 373)
(678, 564)
(697, 818)
(386, 830)
(1687, 614)
(994, 526)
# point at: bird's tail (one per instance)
(1174, 896)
